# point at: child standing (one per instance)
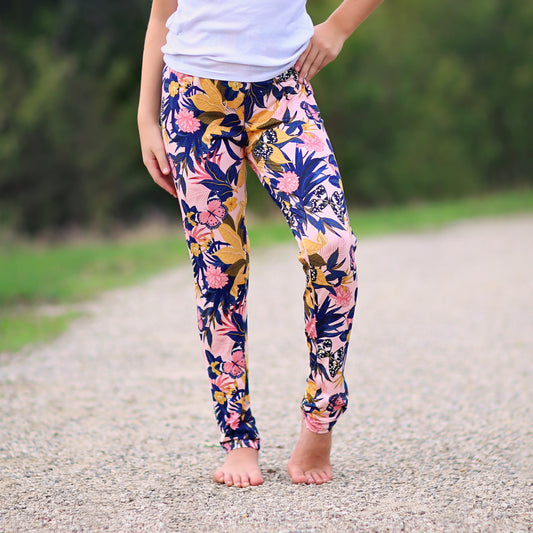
(235, 88)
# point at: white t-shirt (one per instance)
(237, 40)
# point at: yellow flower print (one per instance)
(220, 397)
(173, 88)
(235, 85)
(195, 249)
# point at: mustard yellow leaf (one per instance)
(310, 391)
(236, 102)
(282, 136)
(240, 279)
(260, 119)
(277, 156)
(230, 255)
(320, 278)
(309, 300)
(312, 247)
(231, 237)
(241, 180)
(210, 100)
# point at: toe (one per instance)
(317, 477)
(237, 480)
(218, 476)
(256, 479)
(228, 479)
(297, 475)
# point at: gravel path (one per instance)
(97, 430)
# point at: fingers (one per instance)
(161, 176)
(155, 158)
(309, 63)
(323, 48)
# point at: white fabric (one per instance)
(237, 40)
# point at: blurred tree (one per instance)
(426, 101)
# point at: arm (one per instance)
(329, 37)
(152, 147)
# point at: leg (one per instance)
(209, 173)
(295, 163)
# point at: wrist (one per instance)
(339, 27)
(147, 118)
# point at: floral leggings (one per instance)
(210, 128)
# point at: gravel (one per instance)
(110, 426)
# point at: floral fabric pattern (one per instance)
(210, 129)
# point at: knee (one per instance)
(336, 253)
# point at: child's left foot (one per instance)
(310, 461)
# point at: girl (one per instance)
(235, 87)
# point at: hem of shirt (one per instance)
(173, 62)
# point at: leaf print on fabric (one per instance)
(310, 328)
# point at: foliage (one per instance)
(427, 100)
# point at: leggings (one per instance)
(210, 128)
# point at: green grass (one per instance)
(411, 218)
(31, 275)
(71, 272)
(18, 329)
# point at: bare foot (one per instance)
(310, 462)
(240, 469)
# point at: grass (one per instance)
(18, 329)
(31, 275)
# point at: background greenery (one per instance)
(428, 100)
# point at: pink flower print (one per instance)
(288, 182)
(216, 279)
(310, 328)
(343, 296)
(187, 122)
(314, 143)
(236, 366)
(233, 420)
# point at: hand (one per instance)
(323, 48)
(155, 157)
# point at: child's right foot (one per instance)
(240, 469)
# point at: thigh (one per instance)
(202, 139)
(204, 149)
(295, 162)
